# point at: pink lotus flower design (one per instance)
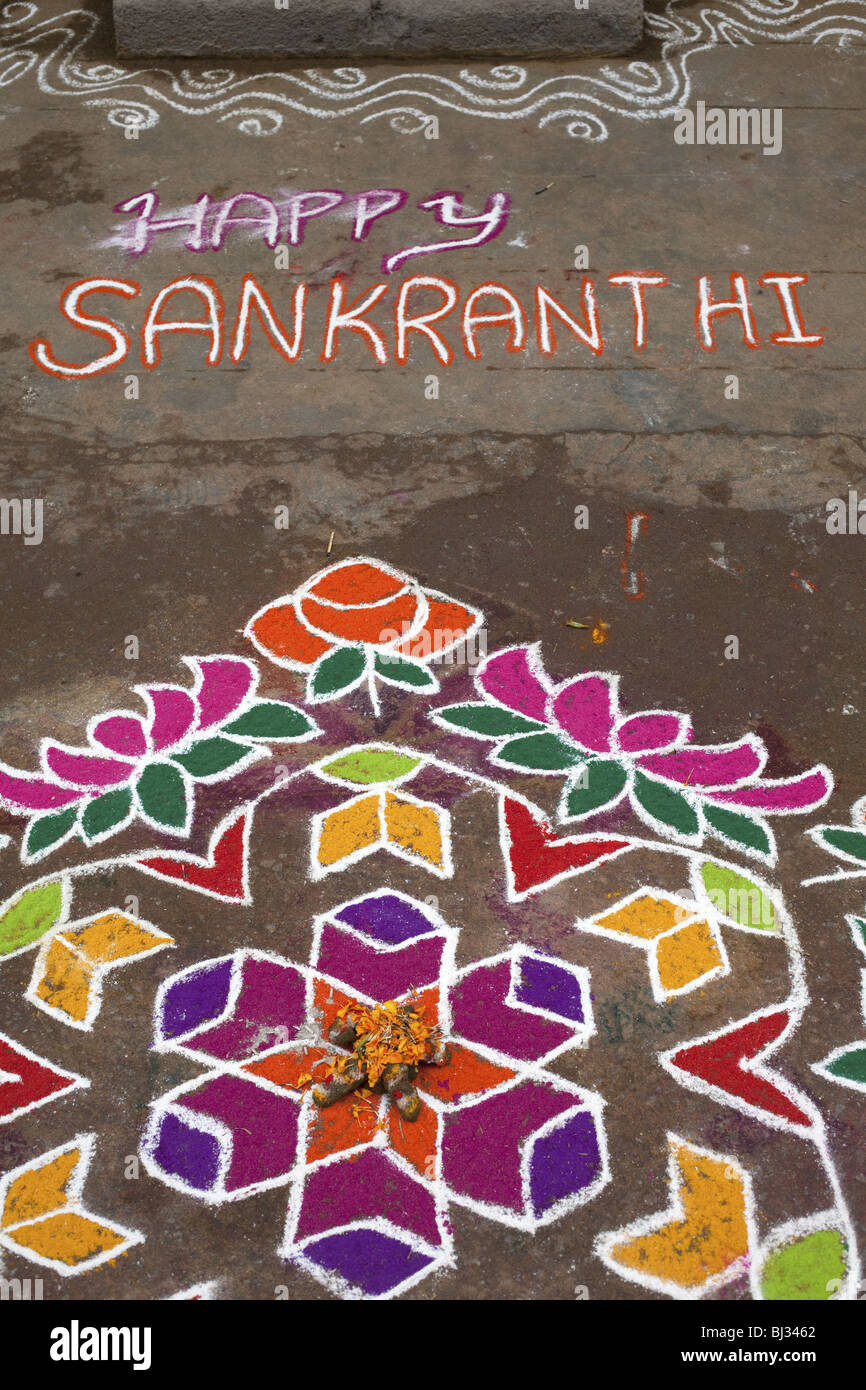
(145, 766)
(577, 728)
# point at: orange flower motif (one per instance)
(361, 617)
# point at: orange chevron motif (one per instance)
(67, 978)
(42, 1218)
(702, 1240)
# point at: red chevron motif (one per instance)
(222, 874)
(537, 856)
(721, 1062)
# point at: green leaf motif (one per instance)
(210, 756)
(849, 1065)
(162, 795)
(336, 672)
(598, 784)
(368, 766)
(31, 915)
(105, 812)
(397, 670)
(538, 753)
(49, 830)
(858, 927)
(738, 897)
(271, 719)
(743, 830)
(810, 1268)
(839, 837)
(666, 805)
(490, 721)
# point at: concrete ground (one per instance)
(160, 510)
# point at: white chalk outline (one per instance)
(823, 1067)
(696, 797)
(77, 1082)
(97, 970)
(633, 89)
(196, 1292)
(786, 1234)
(594, 927)
(321, 770)
(85, 1143)
(755, 1066)
(606, 1241)
(448, 977)
(444, 870)
(258, 748)
(247, 811)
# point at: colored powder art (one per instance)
(546, 862)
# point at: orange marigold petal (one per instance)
(377, 625)
(446, 623)
(281, 633)
(358, 583)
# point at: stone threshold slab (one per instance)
(376, 28)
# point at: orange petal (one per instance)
(465, 1075)
(329, 1000)
(357, 584)
(288, 1069)
(372, 624)
(447, 623)
(280, 633)
(336, 1127)
(415, 1139)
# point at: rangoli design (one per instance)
(53, 49)
(466, 1061)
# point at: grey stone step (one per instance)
(376, 28)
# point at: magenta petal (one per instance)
(173, 715)
(84, 769)
(34, 793)
(641, 733)
(707, 767)
(510, 679)
(586, 710)
(121, 733)
(226, 681)
(788, 794)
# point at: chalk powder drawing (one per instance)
(53, 49)
(367, 1194)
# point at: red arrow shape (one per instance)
(537, 855)
(222, 873)
(720, 1061)
(36, 1080)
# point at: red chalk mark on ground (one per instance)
(537, 854)
(720, 1062)
(633, 581)
(25, 1081)
(221, 873)
(286, 1068)
(804, 585)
